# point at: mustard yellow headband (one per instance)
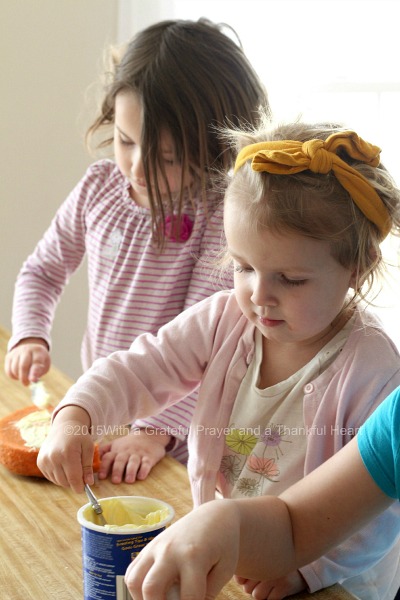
(288, 157)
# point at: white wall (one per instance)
(50, 53)
(135, 15)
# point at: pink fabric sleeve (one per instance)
(156, 372)
(47, 270)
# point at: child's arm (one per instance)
(260, 538)
(332, 502)
(28, 361)
(46, 272)
(358, 548)
(66, 456)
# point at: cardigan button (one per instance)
(308, 388)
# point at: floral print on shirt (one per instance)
(251, 458)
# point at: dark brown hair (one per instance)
(191, 78)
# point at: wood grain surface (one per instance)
(40, 542)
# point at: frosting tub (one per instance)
(132, 522)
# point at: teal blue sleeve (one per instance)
(379, 445)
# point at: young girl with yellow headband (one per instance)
(290, 363)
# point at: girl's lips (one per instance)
(270, 322)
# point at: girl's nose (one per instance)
(263, 294)
(136, 170)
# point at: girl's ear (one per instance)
(358, 278)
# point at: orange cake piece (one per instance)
(21, 434)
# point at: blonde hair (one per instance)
(312, 204)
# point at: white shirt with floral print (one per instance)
(265, 445)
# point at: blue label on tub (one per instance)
(105, 559)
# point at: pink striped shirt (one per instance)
(133, 288)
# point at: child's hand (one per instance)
(133, 456)
(66, 456)
(28, 361)
(200, 550)
(274, 589)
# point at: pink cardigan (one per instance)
(212, 344)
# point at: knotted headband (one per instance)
(288, 157)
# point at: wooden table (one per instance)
(40, 543)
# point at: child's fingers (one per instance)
(104, 448)
(40, 363)
(27, 363)
(68, 466)
(77, 475)
(125, 466)
(88, 476)
(23, 366)
(172, 557)
(9, 366)
(119, 462)
(37, 371)
(107, 466)
(17, 365)
(52, 469)
(146, 465)
(87, 464)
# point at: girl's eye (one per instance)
(125, 141)
(169, 158)
(241, 269)
(293, 282)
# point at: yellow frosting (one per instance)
(123, 513)
(119, 515)
(34, 428)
